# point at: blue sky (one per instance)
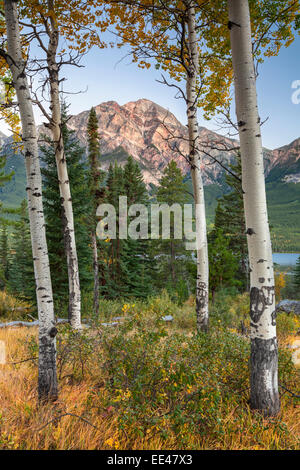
(106, 77)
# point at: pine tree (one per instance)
(115, 270)
(173, 257)
(230, 218)
(134, 186)
(96, 180)
(135, 253)
(296, 279)
(54, 219)
(223, 264)
(4, 256)
(127, 261)
(4, 178)
(4, 243)
(21, 280)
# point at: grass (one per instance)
(147, 384)
(12, 308)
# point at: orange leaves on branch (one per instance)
(8, 112)
(280, 283)
(75, 21)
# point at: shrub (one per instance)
(171, 384)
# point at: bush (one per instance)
(171, 384)
(155, 383)
(230, 309)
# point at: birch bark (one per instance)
(47, 380)
(264, 351)
(63, 179)
(195, 162)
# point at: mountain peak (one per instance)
(153, 136)
(142, 129)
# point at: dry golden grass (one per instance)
(26, 425)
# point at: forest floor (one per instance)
(147, 384)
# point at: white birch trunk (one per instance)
(47, 381)
(63, 180)
(264, 352)
(195, 162)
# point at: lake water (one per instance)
(285, 258)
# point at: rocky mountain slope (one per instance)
(286, 163)
(153, 136)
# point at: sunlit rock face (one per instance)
(153, 136)
(285, 163)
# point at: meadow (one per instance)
(143, 383)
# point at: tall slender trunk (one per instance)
(96, 273)
(47, 379)
(195, 162)
(63, 178)
(264, 351)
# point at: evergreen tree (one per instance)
(4, 256)
(96, 180)
(136, 256)
(222, 262)
(4, 223)
(115, 271)
(229, 217)
(174, 259)
(4, 178)
(127, 261)
(21, 280)
(297, 275)
(81, 201)
(134, 186)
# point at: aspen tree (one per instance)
(47, 379)
(50, 22)
(62, 169)
(173, 41)
(195, 162)
(264, 394)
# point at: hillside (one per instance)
(153, 136)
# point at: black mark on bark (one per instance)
(230, 24)
(264, 364)
(259, 300)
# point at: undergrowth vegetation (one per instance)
(148, 384)
(12, 308)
